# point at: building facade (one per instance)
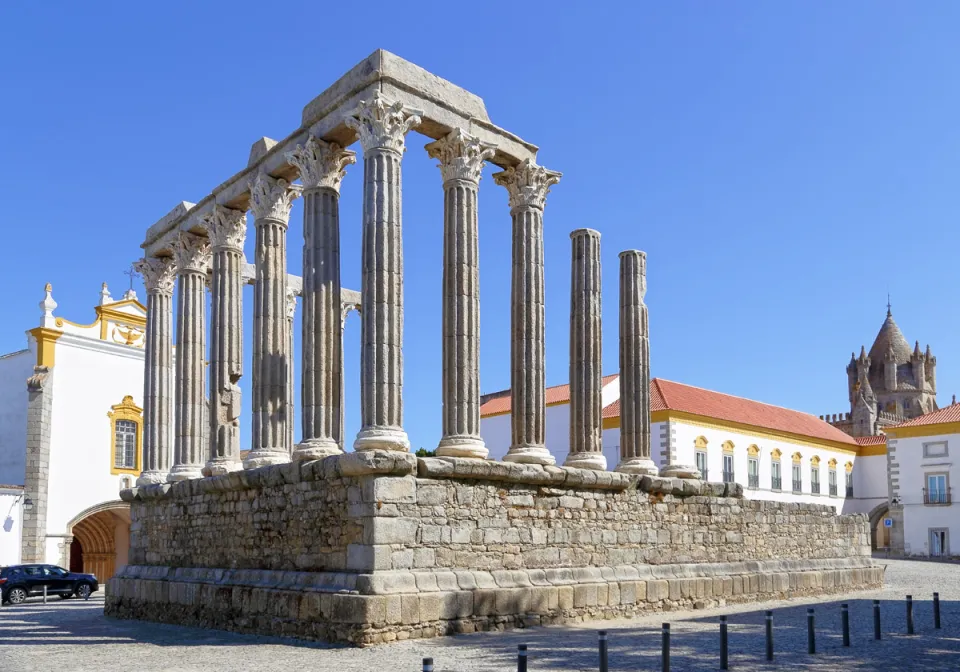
(71, 436)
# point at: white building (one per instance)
(923, 465)
(70, 435)
(775, 453)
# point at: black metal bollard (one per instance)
(603, 651)
(876, 619)
(428, 665)
(769, 618)
(811, 639)
(665, 646)
(845, 623)
(521, 658)
(909, 614)
(936, 610)
(724, 653)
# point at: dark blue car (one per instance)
(18, 582)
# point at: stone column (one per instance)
(461, 161)
(227, 230)
(158, 277)
(382, 126)
(193, 256)
(634, 367)
(586, 377)
(291, 313)
(322, 166)
(270, 200)
(527, 185)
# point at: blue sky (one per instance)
(784, 165)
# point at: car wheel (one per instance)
(16, 596)
(83, 591)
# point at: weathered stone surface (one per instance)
(377, 462)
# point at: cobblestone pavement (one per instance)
(73, 635)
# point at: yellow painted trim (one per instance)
(700, 442)
(923, 430)
(848, 466)
(753, 450)
(815, 461)
(46, 338)
(62, 321)
(715, 423)
(109, 312)
(125, 410)
(611, 423)
(797, 457)
(728, 447)
(868, 451)
(832, 463)
(776, 454)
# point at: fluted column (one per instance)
(291, 313)
(227, 230)
(527, 185)
(461, 161)
(159, 276)
(382, 126)
(193, 256)
(322, 167)
(634, 367)
(586, 377)
(270, 200)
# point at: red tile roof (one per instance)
(668, 395)
(497, 403)
(870, 440)
(949, 413)
(611, 410)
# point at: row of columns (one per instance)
(381, 126)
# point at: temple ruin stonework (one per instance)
(374, 545)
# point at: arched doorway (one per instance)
(101, 539)
(879, 535)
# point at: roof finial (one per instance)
(889, 313)
(47, 306)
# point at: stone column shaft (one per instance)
(227, 230)
(158, 276)
(322, 167)
(634, 367)
(586, 377)
(461, 161)
(192, 253)
(291, 313)
(382, 126)
(527, 185)
(270, 200)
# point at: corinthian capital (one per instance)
(192, 253)
(461, 155)
(527, 184)
(382, 124)
(227, 228)
(272, 197)
(158, 274)
(321, 164)
(291, 304)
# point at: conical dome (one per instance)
(890, 339)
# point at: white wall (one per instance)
(11, 519)
(869, 484)
(89, 378)
(687, 434)
(15, 368)
(919, 518)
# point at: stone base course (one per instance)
(377, 547)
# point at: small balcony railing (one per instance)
(775, 483)
(728, 477)
(797, 485)
(753, 481)
(815, 487)
(936, 497)
(849, 491)
(833, 489)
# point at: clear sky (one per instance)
(783, 164)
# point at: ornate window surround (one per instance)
(126, 410)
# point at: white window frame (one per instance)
(697, 458)
(930, 449)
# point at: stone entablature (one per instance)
(380, 546)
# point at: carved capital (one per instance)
(272, 198)
(192, 253)
(527, 184)
(382, 124)
(461, 155)
(227, 228)
(291, 304)
(321, 164)
(158, 274)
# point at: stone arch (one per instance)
(101, 538)
(876, 516)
